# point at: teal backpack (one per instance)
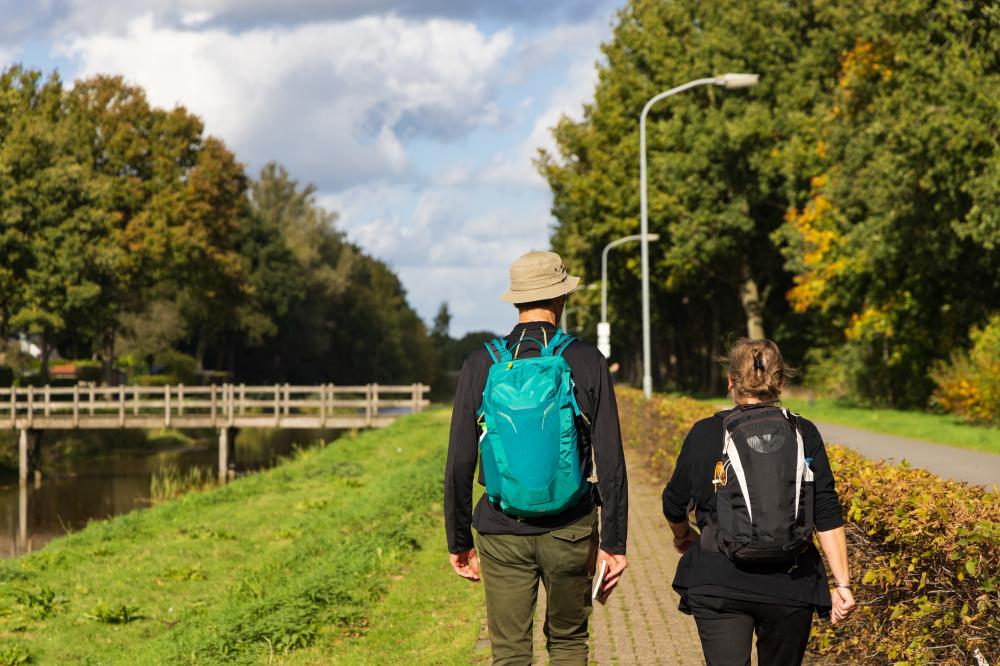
(529, 445)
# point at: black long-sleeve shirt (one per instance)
(601, 442)
(713, 573)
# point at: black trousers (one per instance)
(727, 626)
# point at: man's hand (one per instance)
(616, 567)
(466, 564)
(843, 602)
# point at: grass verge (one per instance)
(935, 428)
(927, 426)
(333, 557)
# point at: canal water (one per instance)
(75, 488)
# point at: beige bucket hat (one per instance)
(538, 276)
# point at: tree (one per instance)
(323, 310)
(172, 201)
(894, 239)
(52, 231)
(715, 194)
(442, 323)
(846, 204)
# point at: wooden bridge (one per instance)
(225, 407)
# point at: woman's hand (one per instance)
(843, 602)
(682, 543)
(684, 535)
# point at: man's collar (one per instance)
(533, 324)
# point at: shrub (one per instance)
(182, 367)
(925, 552)
(925, 558)
(89, 371)
(969, 384)
(657, 427)
(153, 380)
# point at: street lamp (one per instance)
(604, 328)
(729, 81)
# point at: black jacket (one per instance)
(601, 441)
(801, 583)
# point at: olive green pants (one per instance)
(563, 560)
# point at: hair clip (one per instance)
(758, 363)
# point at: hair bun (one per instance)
(756, 369)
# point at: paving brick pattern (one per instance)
(640, 623)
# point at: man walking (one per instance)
(537, 520)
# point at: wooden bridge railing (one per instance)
(225, 407)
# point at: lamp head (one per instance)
(732, 80)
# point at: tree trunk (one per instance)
(714, 369)
(46, 353)
(109, 357)
(199, 353)
(753, 307)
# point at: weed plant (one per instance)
(171, 482)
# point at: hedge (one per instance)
(925, 552)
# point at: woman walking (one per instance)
(761, 485)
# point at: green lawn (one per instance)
(334, 557)
(936, 428)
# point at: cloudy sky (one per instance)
(416, 119)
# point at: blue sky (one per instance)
(416, 119)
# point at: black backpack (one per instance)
(763, 488)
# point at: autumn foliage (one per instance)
(969, 384)
(925, 552)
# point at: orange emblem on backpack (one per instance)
(720, 478)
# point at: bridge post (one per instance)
(22, 519)
(227, 454)
(322, 405)
(76, 405)
(29, 451)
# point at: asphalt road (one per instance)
(976, 467)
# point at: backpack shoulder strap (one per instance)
(560, 341)
(800, 460)
(501, 354)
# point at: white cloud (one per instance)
(359, 106)
(581, 44)
(6, 57)
(446, 245)
(335, 102)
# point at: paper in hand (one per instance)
(599, 580)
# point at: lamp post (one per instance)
(604, 328)
(725, 81)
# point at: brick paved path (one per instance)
(640, 623)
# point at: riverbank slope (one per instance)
(299, 564)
